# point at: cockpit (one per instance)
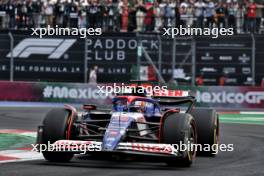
(147, 107)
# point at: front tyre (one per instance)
(55, 125)
(207, 122)
(180, 129)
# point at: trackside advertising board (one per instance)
(207, 96)
(230, 97)
(51, 92)
(65, 58)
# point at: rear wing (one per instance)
(175, 98)
(172, 93)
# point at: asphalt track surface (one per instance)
(246, 160)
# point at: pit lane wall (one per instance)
(229, 97)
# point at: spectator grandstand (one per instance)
(133, 15)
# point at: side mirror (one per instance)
(89, 107)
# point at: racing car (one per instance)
(136, 126)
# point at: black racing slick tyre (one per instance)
(180, 129)
(54, 128)
(207, 124)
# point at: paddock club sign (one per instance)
(116, 49)
(62, 58)
(115, 55)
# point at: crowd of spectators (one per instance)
(133, 15)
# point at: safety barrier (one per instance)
(225, 97)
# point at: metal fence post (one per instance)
(139, 55)
(160, 53)
(253, 64)
(153, 65)
(173, 57)
(85, 62)
(193, 62)
(12, 56)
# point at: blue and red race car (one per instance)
(137, 126)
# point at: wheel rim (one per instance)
(217, 139)
(216, 134)
(192, 140)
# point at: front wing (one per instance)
(84, 147)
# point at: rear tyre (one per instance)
(180, 128)
(207, 123)
(55, 125)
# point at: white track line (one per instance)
(252, 112)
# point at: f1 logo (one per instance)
(55, 48)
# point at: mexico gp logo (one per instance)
(251, 97)
(55, 48)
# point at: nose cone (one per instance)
(116, 131)
(111, 139)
